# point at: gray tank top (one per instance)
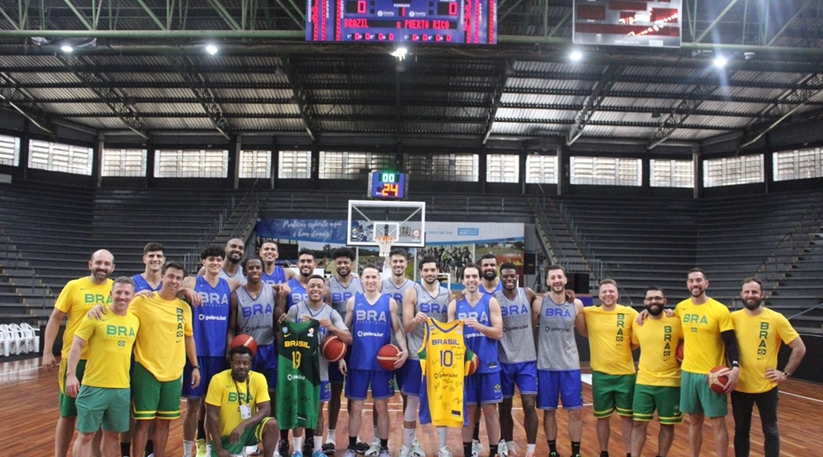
(396, 293)
(340, 294)
(256, 317)
(517, 345)
(239, 276)
(302, 312)
(556, 346)
(436, 307)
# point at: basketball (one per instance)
(332, 348)
(678, 353)
(718, 378)
(245, 340)
(387, 355)
(474, 364)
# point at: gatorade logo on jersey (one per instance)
(433, 308)
(514, 310)
(257, 308)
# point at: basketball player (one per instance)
(77, 298)
(331, 323)
(306, 265)
(372, 317)
(240, 418)
(235, 248)
(103, 398)
(759, 332)
(658, 377)
(153, 258)
(558, 371)
(211, 330)
(273, 274)
(518, 359)
(341, 287)
(422, 301)
(489, 283)
(483, 323)
(608, 328)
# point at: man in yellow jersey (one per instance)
(103, 398)
(759, 332)
(609, 329)
(707, 330)
(238, 408)
(77, 298)
(658, 377)
(163, 344)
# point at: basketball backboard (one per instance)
(403, 220)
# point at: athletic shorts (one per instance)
(482, 389)
(697, 397)
(209, 366)
(99, 406)
(265, 363)
(325, 391)
(153, 398)
(524, 375)
(335, 376)
(67, 404)
(359, 381)
(665, 399)
(612, 392)
(250, 437)
(565, 385)
(413, 378)
(400, 375)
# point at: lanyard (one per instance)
(237, 389)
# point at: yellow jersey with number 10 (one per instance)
(444, 362)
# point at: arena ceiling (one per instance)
(140, 67)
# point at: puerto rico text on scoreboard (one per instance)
(403, 21)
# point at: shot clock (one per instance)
(387, 185)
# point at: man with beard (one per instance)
(759, 332)
(273, 274)
(231, 267)
(240, 417)
(421, 301)
(77, 298)
(609, 329)
(489, 283)
(518, 358)
(558, 371)
(658, 377)
(153, 258)
(297, 285)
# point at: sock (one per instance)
(553, 446)
(604, 453)
(530, 448)
(298, 444)
(384, 444)
(510, 446)
(408, 436)
(352, 441)
(309, 435)
(284, 436)
(187, 446)
(441, 436)
(201, 430)
(125, 449)
(492, 450)
(149, 447)
(628, 454)
(467, 449)
(331, 438)
(575, 447)
(358, 439)
(476, 435)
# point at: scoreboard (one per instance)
(387, 185)
(402, 21)
(648, 23)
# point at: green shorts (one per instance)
(67, 404)
(250, 437)
(665, 399)
(98, 406)
(612, 392)
(696, 397)
(153, 398)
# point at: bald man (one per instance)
(78, 297)
(235, 248)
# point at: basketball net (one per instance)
(385, 243)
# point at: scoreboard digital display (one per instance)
(648, 23)
(402, 21)
(387, 185)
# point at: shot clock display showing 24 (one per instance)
(387, 185)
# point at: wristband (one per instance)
(195, 367)
(786, 374)
(735, 364)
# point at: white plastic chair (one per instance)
(31, 336)
(4, 342)
(12, 347)
(17, 341)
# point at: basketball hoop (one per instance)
(385, 243)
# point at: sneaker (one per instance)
(477, 448)
(415, 450)
(249, 450)
(555, 454)
(296, 454)
(502, 449)
(361, 447)
(308, 449)
(404, 451)
(384, 452)
(577, 455)
(328, 449)
(200, 445)
(351, 452)
(374, 449)
(283, 448)
(318, 453)
(444, 452)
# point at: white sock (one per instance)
(510, 446)
(441, 436)
(331, 438)
(298, 444)
(187, 447)
(408, 436)
(530, 448)
(318, 442)
(358, 439)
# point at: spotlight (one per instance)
(400, 53)
(576, 56)
(720, 61)
(66, 48)
(211, 49)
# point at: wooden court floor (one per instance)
(28, 408)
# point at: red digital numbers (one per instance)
(361, 6)
(389, 190)
(453, 9)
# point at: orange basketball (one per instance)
(678, 353)
(332, 348)
(474, 364)
(244, 340)
(718, 378)
(387, 355)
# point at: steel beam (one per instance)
(495, 102)
(300, 97)
(593, 101)
(203, 94)
(14, 97)
(716, 21)
(678, 115)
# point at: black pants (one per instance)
(742, 405)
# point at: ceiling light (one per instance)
(400, 53)
(576, 56)
(720, 61)
(66, 48)
(211, 49)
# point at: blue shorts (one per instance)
(482, 389)
(566, 385)
(209, 366)
(412, 378)
(400, 375)
(265, 362)
(523, 374)
(335, 376)
(325, 391)
(381, 382)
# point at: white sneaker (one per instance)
(416, 450)
(374, 449)
(477, 448)
(350, 452)
(502, 449)
(384, 453)
(404, 451)
(444, 452)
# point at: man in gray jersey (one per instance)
(331, 323)
(341, 287)
(558, 362)
(232, 270)
(518, 359)
(427, 299)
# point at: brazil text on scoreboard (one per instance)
(403, 21)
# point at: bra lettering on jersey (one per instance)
(374, 316)
(96, 298)
(433, 308)
(398, 297)
(257, 309)
(297, 297)
(557, 312)
(119, 330)
(481, 317)
(338, 297)
(234, 396)
(695, 319)
(214, 299)
(514, 310)
(181, 319)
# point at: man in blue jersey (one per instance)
(272, 273)
(372, 318)
(297, 286)
(211, 331)
(483, 322)
(153, 258)
(232, 256)
(489, 284)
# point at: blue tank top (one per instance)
(211, 321)
(491, 292)
(278, 276)
(371, 328)
(484, 347)
(298, 293)
(140, 284)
